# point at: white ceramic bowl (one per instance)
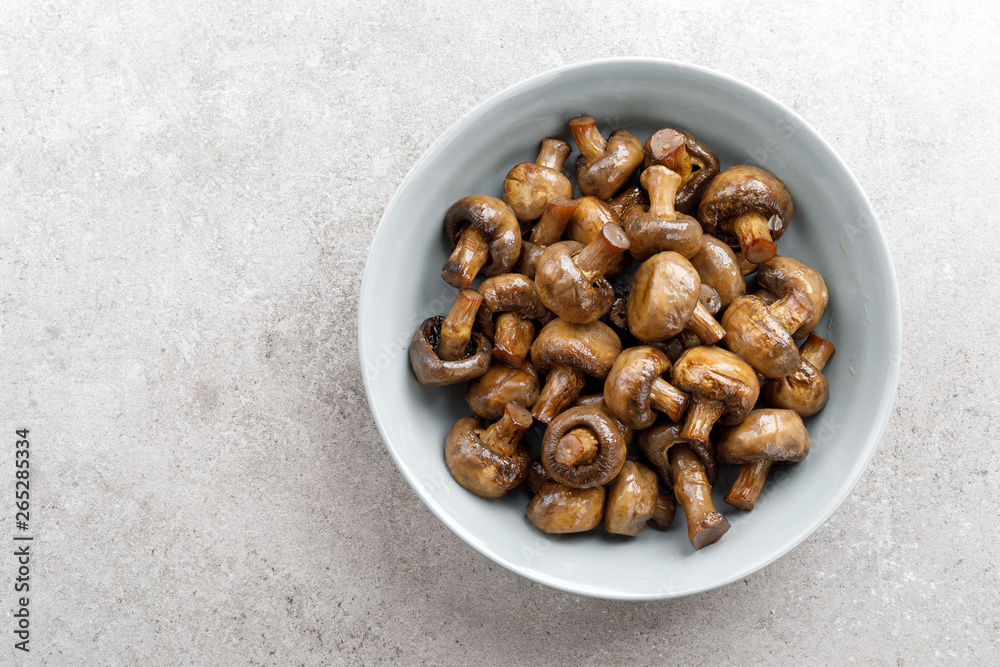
(833, 229)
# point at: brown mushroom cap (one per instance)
(718, 268)
(530, 185)
(488, 394)
(432, 371)
(780, 275)
(586, 223)
(740, 191)
(664, 299)
(610, 454)
(495, 223)
(489, 461)
(597, 400)
(627, 197)
(658, 227)
(604, 167)
(754, 332)
(805, 390)
(657, 440)
(591, 348)
(558, 509)
(668, 148)
(631, 500)
(765, 435)
(510, 293)
(632, 392)
(713, 374)
(704, 169)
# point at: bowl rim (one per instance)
(892, 298)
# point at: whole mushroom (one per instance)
(750, 204)
(695, 162)
(558, 509)
(570, 277)
(604, 166)
(659, 227)
(568, 352)
(664, 299)
(485, 236)
(530, 185)
(635, 387)
(607, 461)
(765, 437)
(760, 333)
(667, 148)
(631, 500)
(781, 275)
(444, 350)
(510, 303)
(805, 390)
(489, 462)
(488, 394)
(588, 221)
(718, 267)
(723, 388)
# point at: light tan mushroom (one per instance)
(530, 185)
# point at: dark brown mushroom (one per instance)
(567, 352)
(527, 263)
(530, 185)
(627, 197)
(760, 333)
(765, 437)
(704, 169)
(588, 221)
(486, 238)
(558, 509)
(656, 440)
(536, 475)
(781, 275)
(664, 299)
(805, 390)
(510, 302)
(570, 277)
(489, 462)
(694, 493)
(667, 148)
(488, 394)
(631, 500)
(597, 400)
(674, 346)
(750, 204)
(604, 166)
(444, 350)
(723, 388)
(634, 387)
(610, 453)
(718, 267)
(658, 227)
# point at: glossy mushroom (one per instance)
(667, 148)
(718, 267)
(805, 390)
(631, 500)
(485, 237)
(510, 304)
(781, 275)
(699, 163)
(604, 166)
(760, 333)
(568, 353)
(488, 394)
(530, 185)
(657, 440)
(609, 457)
(558, 509)
(597, 400)
(489, 461)
(552, 224)
(570, 277)
(444, 350)
(588, 221)
(658, 227)
(750, 204)
(635, 388)
(664, 299)
(694, 493)
(722, 386)
(627, 197)
(765, 437)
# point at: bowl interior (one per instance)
(833, 229)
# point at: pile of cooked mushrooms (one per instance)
(619, 327)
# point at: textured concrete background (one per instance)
(186, 200)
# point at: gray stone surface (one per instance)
(187, 195)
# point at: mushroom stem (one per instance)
(748, 485)
(694, 493)
(562, 386)
(701, 418)
(755, 237)
(667, 147)
(552, 224)
(456, 329)
(528, 261)
(791, 310)
(817, 351)
(664, 509)
(512, 339)
(668, 398)
(589, 140)
(662, 185)
(553, 153)
(578, 447)
(597, 256)
(706, 327)
(470, 254)
(502, 436)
